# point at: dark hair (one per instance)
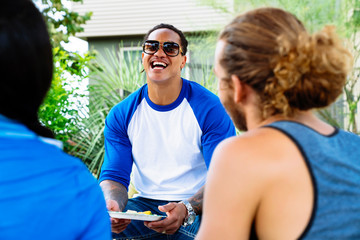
(270, 50)
(183, 41)
(26, 63)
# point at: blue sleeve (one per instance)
(214, 121)
(118, 153)
(216, 127)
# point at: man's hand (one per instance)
(176, 213)
(117, 225)
(115, 193)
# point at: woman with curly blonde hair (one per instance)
(291, 175)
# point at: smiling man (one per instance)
(164, 134)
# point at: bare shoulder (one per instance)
(257, 147)
(255, 173)
(252, 160)
(240, 172)
(256, 161)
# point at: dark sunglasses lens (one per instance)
(151, 47)
(171, 49)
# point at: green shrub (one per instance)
(59, 111)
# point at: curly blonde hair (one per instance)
(270, 50)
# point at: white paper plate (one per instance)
(135, 216)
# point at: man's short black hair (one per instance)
(183, 41)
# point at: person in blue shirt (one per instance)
(291, 175)
(164, 134)
(44, 193)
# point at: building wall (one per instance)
(127, 18)
(115, 43)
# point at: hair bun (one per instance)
(270, 50)
(311, 70)
(329, 54)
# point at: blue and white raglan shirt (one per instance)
(169, 146)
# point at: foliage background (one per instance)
(59, 109)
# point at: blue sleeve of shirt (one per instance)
(118, 158)
(217, 127)
(214, 121)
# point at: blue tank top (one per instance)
(334, 164)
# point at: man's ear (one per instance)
(238, 88)
(183, 62)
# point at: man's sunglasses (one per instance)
(170, 48)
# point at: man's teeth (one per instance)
(159, 64)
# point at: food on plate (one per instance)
(145, 212)
(131, 214)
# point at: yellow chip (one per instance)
(146, 212)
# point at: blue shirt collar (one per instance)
(10, 128)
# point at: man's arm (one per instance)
(115, 191)
(196, 201)
(231, 194)
(116, 197)
(218, 130)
